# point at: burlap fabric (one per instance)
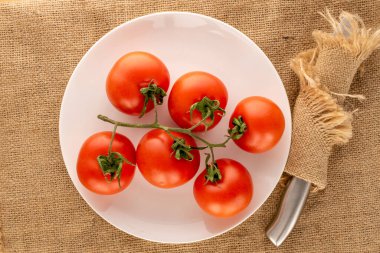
(40, 211)
(321, 120)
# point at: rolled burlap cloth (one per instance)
(326, 72)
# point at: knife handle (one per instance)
(291, 207)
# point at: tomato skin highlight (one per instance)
(157, 163)
(128, 75)
(88, 170)
(265, 124)
(191, 88)
(227, 197)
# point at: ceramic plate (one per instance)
(184, 42)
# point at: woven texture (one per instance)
(329, 68)
(40, 211)
(309, 154)
(321, 120)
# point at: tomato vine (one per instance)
(111, 164)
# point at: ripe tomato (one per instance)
(130, 73)
(157, 163)
(265, 124)
(228, 196)
(89, 172)
(191, 88)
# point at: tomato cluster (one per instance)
(169, 157)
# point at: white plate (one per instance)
(184, 42)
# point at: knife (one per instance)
(295, 195)
(291, 206)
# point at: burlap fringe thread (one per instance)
(329, 116)
(361, 42)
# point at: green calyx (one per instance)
(152, 93)
(213, 174)
(207, 108)
(238, 129)
(112, 165)
(181, 150)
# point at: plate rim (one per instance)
(137, 19)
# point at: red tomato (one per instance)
(191, 88)
(157, 163)
(228, 196)
(130, 73)
(265, 124)
(89, 172)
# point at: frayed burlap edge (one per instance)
(334, 123)
(328, 117)
(350, 34)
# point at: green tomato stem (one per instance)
(155, 110)
(112, 138)
(212, 154)
(125, 124)
(167, 129)
(200, 122)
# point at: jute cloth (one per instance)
(40, 211)
(321, 120)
